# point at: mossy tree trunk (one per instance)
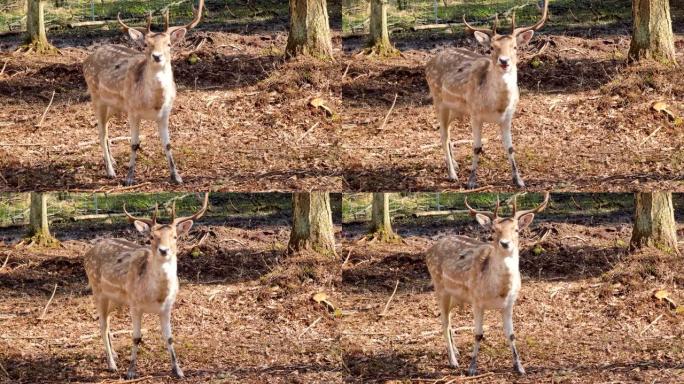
(654, 222)
(309, 30)
(652, 36)
(379, 42)
(312, 225)
(381, 225)
(39, 230)
(36, 38)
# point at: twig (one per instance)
(46, 109)
(346, 70)
(5, 263)
(3, 67)
(469, 378)
(113, 381)
(384, 311)
(485, 188)
(650, 325)
(42, 315)
(128, 188)
(389, 112)
(5, 372)
(651, 135)
(343, 263)
(310, 326)
(112, 140)
(307, 131)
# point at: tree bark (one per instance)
(309, 30)
(39, 230)
(379, 42)
(312, 225)
(652, 36)
(654, 222)
(381, 225)
(36, 38)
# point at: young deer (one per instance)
(144, 278)
(485, 275)
(463, 83)
(122, 79)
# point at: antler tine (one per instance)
(132, 218)
(166, 20)
(149, 22)
(496, 209)
(515, 204)
(538, 208)
(125, 27)
(195, 20)
(197, 214)
(496, 23)
(473, 212)
(173, 211)
(513, 22)
(539, 24)
(155, 215)
(488, 31)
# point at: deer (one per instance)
(485, 88)
(144, 278)
(485, 275)
(140, 84)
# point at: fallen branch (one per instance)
(307, 132)
(651, 135)
(5, 263)
(5, 372)
(310, 326)
(343, 263)
(128, 188)
(3, 67)
(42, 315)
(97, 216)
(343, 75)
(650, 325)
(439, 213)
(389, 112)
(384, 311)
(46, 109)
(117, 381)
(112, 140)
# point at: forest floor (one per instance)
(241, 108)
(585, 314)
(244, 312)
(585, 120)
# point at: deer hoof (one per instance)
(519, 369)
(472, 371)
(112, 367)
(178, 372)
(176, 179)
(129, 181)
(472, 183)
(518, 182)
(130, 375)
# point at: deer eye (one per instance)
(175, 237)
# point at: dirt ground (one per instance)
(241, 108)
(584, 121)
(586, 312)
(240, 316)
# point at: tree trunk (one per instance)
(309, 30)
(36, 39)
(39, 231)
(312, 225)
(654, 222)
(652, 36)
(381, 225)
(379, 42)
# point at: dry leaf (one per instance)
(660, 106)
(661, 294)
(680, 309)
(317, 102)
(320, 296)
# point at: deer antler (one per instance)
(194, 22)
(539, 208)
(197, 214)
(150, 222)
(539, 24)
(492, 215)
(490, 32)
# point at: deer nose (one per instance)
(164, 251)
(505, 243)
(157, 57)
(503, 60)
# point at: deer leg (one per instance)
(163, 125)
(444, 119)
(444, 310)
(103, 314)
(508, 146)
(165, 318)
(102, 114)
(136, 317)
(478, 314)
(510, 336)
(477, 150)
(134, 125)
(110, 308)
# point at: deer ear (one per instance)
(525, 220)
(136, 35)
(483, 220)
(142, 227)
(184, 227)
(482, 38)
(524, 37)
(178, 35)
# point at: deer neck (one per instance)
(507, 79)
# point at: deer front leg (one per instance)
(478, 314)
(163, 126)
(136, 317)
(103, 313)
(102, 114)
(444, 310)
(477, 150)
(134, 125)
(444, 115)
(510, 336)
(508, 146)
(165, 318)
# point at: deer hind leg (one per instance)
(445, 309)
(478, 314)
(510, 336)
(103, 314)
(477, 150)
(444, 116)
(163, 125)
(136, 317)
(102, 114)
(134, 125)
(508, 146)
(165, 319)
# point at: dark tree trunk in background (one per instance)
(652, 36)
(379, 42)
(312, 225)
(39, 231)
(381, 225)
(309, 29)
(36, 39)
(654, 222)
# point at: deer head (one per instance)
(503, 47)
(163, 237)
(505, 230)
(158, 45)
